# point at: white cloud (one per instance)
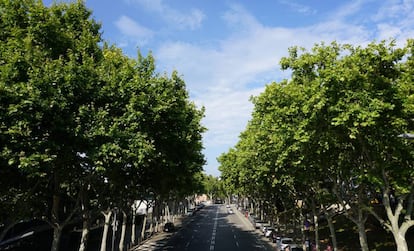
(132, 29)
(304, 9)
(386, 31)
(238, 18)
(394, 9)
(220, 77)
(191, 20)
(349, 9)
(395, 19)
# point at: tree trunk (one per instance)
(57, 229)
(107, 216)
(400, 241)
(329, 218)
(133, 228)
(85, 219)
(316, 224)
(362, 236)
(398, 231)
(332, 231)
(144, 223)
(85, 232)
(123, 231)
(57, 232)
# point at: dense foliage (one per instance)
(84, 128)
(330, 135)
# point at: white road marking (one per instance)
(213, 235)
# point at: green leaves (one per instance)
(76, 114)
(336, 119)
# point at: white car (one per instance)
(283, 243)
(265, 227)
(269, 231)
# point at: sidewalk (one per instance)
(160, 239)
(257, 232)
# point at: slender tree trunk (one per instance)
(57, 232)
(302, 228)
(85, 231)
(123, 231)
(332, 231)
(359, 221)
(329, 218)
(166, 212)
(85, 219)
(133, 228)
(107, 216)
(316, 224)
(144, 223)
(363, 241)
(57, 229)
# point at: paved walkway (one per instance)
(257, 232)
(158, 240)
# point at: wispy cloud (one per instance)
(238, 18)
(132, 29)
(348, 9)
(395, 19)
(190, 20)
(301, 8)
(221, 77)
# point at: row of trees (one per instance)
(84, 128)
(331, 135)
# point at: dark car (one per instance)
(169, 227)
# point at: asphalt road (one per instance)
(214, 228)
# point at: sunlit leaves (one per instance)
(338, 117)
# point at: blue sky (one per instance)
(228, 50)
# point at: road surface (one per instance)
(213, 228)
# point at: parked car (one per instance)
(265, 227)
(269, 232)
(275, 238)
(259, 224)
(190, 212)
(284, 243)
(295, 247)
(169, 227)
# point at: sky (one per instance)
(228, 51)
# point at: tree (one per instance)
(333, 127)
(49, 56)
